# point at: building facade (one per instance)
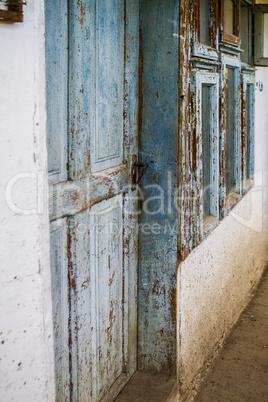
(134, 190)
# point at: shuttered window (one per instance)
(205, 94)
(218, 150)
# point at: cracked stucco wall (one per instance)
(26, 348)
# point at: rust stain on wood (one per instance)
(82, 12)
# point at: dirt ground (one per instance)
(146, 387)
(240, 372)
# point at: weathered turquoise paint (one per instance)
(60, 292)
(159, 148)
(92, 95)
(80, 81)
(57, 87)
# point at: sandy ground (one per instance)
(240, 373)
(146, 387)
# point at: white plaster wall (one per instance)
(216, 280)
(26, 341)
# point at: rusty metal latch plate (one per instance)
(138, 170)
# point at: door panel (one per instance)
(107, 149)
(159, 148)
(95, 208)
(80, 307)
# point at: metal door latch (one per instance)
(138, 170)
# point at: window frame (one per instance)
(14, 11)
(250, 32)
(199, 49)
(204, 227)
(229, 54)
(248, 183)
(259, 11)
(235, 197)
(226, 37)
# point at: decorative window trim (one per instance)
(14, 12)
(229, 55)
(234, 198)
(259, 10)
(204, 227)
(230, 49)
(199, 49)
(248, 183)
(225, 36)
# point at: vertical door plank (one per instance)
(80, 286)
(81, 85)
(131, 90)
(130, 261)
(56, 26)
(60, 294)
(158, 250)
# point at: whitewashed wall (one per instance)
(216, 280)
(26, 349)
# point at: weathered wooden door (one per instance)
(92, 97)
